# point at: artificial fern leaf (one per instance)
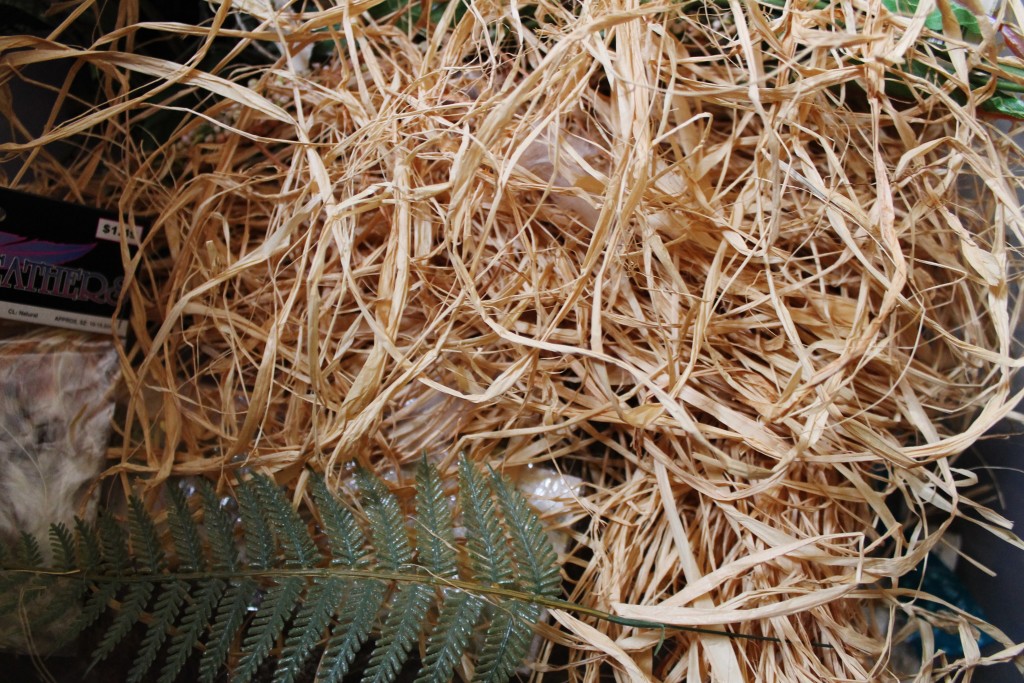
(282, 596)
(90, 558)
(387, 523)
(259, 540)
(399, 632)
(114, 545)
(149, 555)
(219, 529)
(290, 529)
(62, 546)
(485, 541)
(278, 603)
(362, 603)
(165, 610)
(197, 615)
(456, 623)
(64, 596)
(228, 620)
(534, 560)
(21, 589)
(208, 593)
(95, 605)
(29, 553)
(506, 642)
(319, 604)
(145, 540)
(88, 546)
(132, 606)
(347, 545)
(434, 535)
(184, 532)
(344, 537)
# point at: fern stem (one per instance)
(410, 577)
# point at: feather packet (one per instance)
(61, 270)
(56, 406)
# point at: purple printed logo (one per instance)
(37, 267)
(41, 251)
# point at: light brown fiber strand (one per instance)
(703, 255)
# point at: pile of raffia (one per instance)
(739, 267)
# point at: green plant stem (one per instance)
(406, 577)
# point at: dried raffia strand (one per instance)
(696, 253)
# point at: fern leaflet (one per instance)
(353, 627)
(62, 547)
(459, 613)
(234, 594)
(266, 626)
(230, 616)
(403, 623)
(321, 601)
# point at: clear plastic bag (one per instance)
(56, 405)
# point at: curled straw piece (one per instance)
(709, 256)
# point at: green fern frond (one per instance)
(88, 546)
(168, 603)
(132, 606)
(114, 545)
(291, 532)
(145, 540)
(19, 591)
(459, 614)
(319, 605)
(506, 642)
(227, 622)
(344, 537)
(219, 529)
(362, 602)
(403, 623)
(197, 615)
(269, 589)
(259, 540)
(533, 558)
(387, 522)
(184, 532)
(278, 603)
(62, 546)
(95, 605)
(485, 541)
(434, 534)
(29, 552)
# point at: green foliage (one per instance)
(195, 586)
(459, 613)
(228, 619)
(1005, 105)
(930, 58)
(62, 545)
(409, 16)
(939, 69)
(968, 22)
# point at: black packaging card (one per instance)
(60, 263)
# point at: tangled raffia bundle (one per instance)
(706, 255)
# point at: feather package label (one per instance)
(61, 269)
(61, 264)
